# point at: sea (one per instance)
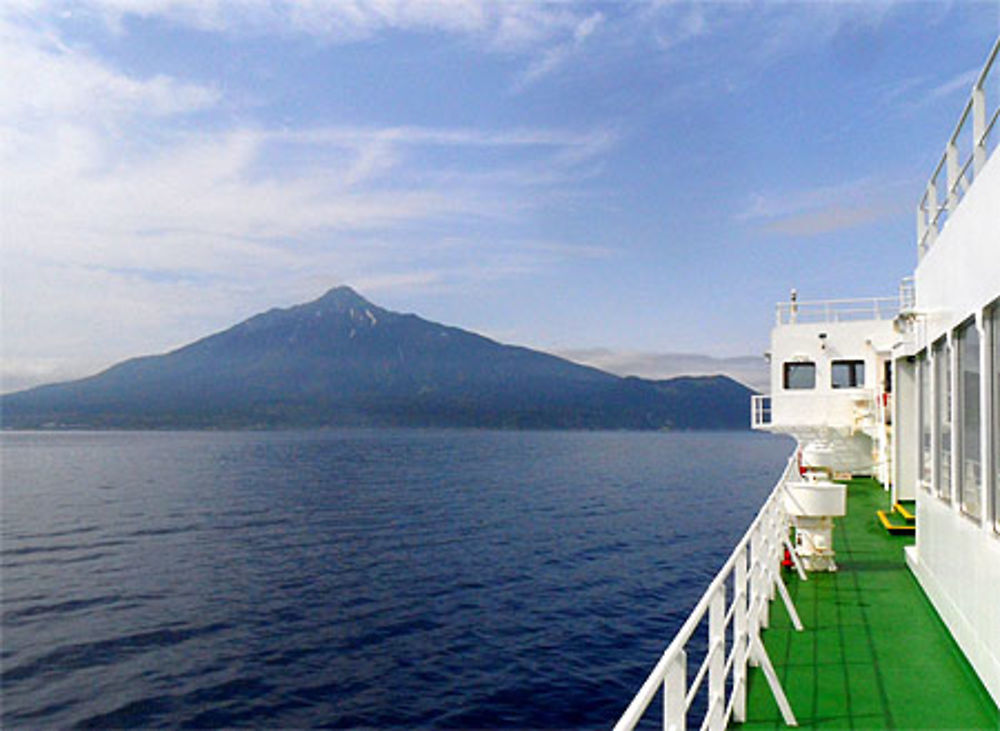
(356, 578)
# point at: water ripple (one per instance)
(452, 579)
(57, 608)
(82, 655)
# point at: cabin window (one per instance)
(969, 466)
(942, 414)
(926, 435)
(847, 374)
(993, 318)
(800, 375)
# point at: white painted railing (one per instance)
(760, 411)
(964, 156)
(907, 294)
(750, 576)
(841, 310)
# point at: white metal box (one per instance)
(815, 499)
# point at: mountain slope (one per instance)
(341, 360)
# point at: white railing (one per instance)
(961, 166)
(760, 411)
(750, 577)
(907, 294)
(843, 310)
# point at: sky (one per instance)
(632, 184)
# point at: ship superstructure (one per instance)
(831, 376)
(948, 375)
(895, 407)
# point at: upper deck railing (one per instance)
(842, 310)
(965, 155)
(846, 310)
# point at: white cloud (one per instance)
(125, 232)
(45, 80)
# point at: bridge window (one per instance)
(847, 374)
(800, 375)
(970, 469)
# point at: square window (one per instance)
(800, 375)
(847, 374)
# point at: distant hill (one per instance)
(343, 361)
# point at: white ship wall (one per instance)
(961, 272)
(956, 558)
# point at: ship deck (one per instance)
(874, 653)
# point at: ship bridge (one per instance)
(831, 380)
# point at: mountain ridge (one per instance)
(341, 360)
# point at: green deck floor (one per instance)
(874, 653)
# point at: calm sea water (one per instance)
(357, 578)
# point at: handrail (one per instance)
(753, 588)
(837, 310)
(932, 214)
(907, 294)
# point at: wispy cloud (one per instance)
(827, 209)
(502, 25)
(959, 83)
(556, 56)
(46, 80)
(829, 219)
(546, 33)
(750, 370)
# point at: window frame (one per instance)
(991, 324)
(941, 351)
(856, 367)
(786, 368)
(966, 433)
(925, 421)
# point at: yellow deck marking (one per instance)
(901, 509)
(884, 519)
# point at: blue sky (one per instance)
(621, 182)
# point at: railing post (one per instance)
(951, 171)
(717, 665)
(932, 211)
(771, 555)
(921, 227)
(674, 693)
(757, 585)
(740, 638)
(978, 129)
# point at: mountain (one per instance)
(343, 361)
